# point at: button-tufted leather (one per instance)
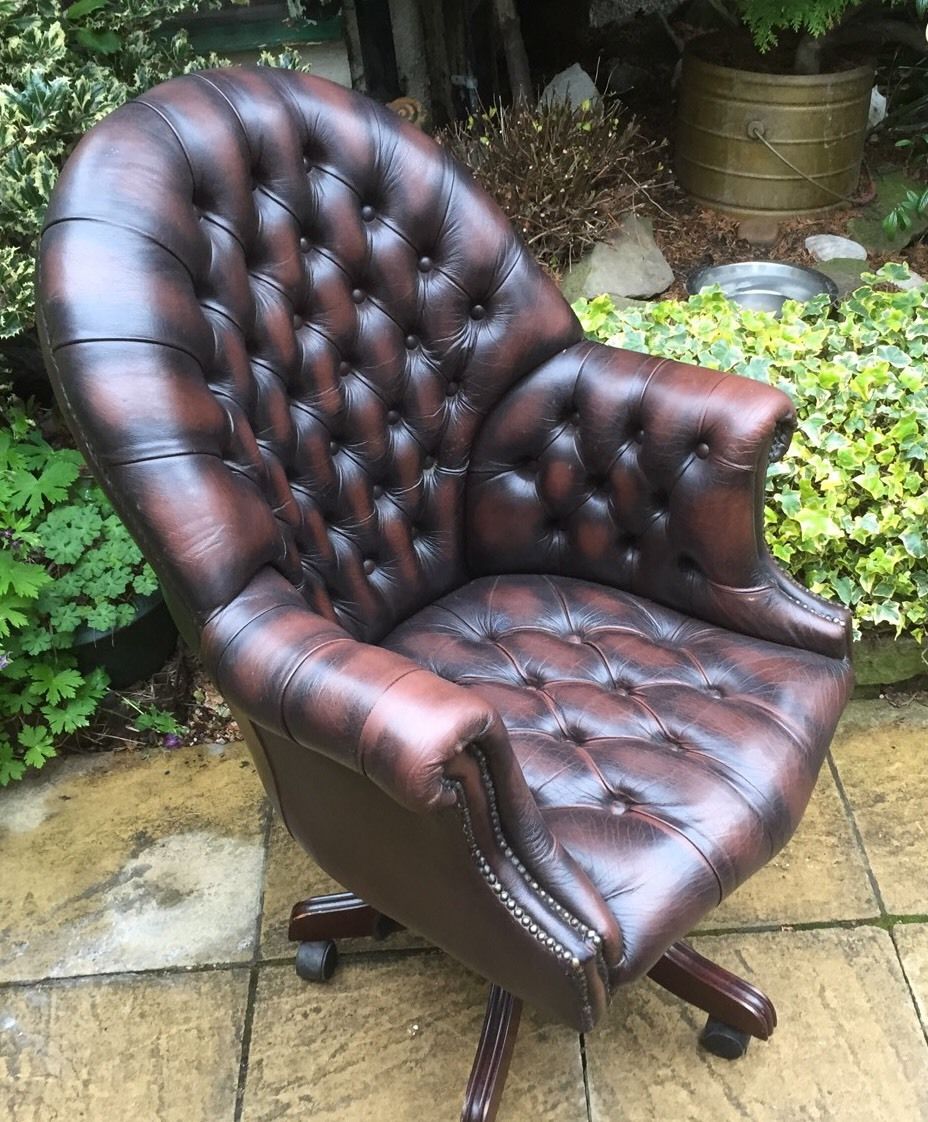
(671, 758)
(491, 604)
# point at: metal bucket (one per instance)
(816, 122)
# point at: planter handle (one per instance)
(757, 130)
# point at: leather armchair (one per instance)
(491, 603)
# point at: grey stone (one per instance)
(572, 85)
(826, 247)
(628, 264)
(892, 188)
(845, 272)
(760, 231)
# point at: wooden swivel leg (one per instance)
(491, 1062)
(737, 1010)
(317, 922)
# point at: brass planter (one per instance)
(817, 122)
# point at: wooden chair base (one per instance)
(737, 1010)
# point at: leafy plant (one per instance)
(822, 24)
(62, 68)
(562, 175)
(66, 562)
(847, 508)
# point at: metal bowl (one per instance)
(763, 285)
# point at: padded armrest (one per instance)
(648, 475)
(425, 741)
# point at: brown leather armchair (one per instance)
(490, 602)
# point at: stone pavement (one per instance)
(145, 972)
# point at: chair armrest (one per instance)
(428, 743)
(648, 475)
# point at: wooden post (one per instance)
(510, 30)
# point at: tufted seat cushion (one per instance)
(670, 757)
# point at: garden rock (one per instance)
(760, 231)
(891, 189)
(827, 247)
(845, 272)
(628, 264)
(572, 85)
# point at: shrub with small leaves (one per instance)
(563, 176)
(847, 508)
(66, 562)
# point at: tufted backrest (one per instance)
(276, 316)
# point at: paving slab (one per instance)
(820, 875)
(292, 875)
(881, 753)
(848, 1048)
(394, 1040)
(131, 861)
(146, 1047)
(911, 941)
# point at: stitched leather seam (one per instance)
(668, 827)
(164, 117)
(128, 339)
(113, 224)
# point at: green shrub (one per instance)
(66, 562)
(61, 69)
(847, 508)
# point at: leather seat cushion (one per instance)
(670, 757)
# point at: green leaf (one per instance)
(56, 685)
(101, 42)
(83, 8)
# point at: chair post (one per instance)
(491, 1061)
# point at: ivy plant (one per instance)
(66, 563)
(846, 510)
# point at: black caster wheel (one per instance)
(316, 962)
(723, 1040)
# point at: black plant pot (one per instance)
(129, 654)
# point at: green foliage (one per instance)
(66, 562)
(61, 70)
(904, 216)
(847, 508)
(560, 174)
(767, 18)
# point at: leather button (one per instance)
(713, 692)
(392, 416)
(377, 490)
(574, 638)
(574, 419)
(428, 462)
(304, 245)
(702, 450)
(357, 295)
(639, 436)
(425, 264)
(333, 446)
(368, 213)
(478, 311)
(368, 566)
(453, 389)
(307, 163)
(412, 342)
(344, 368)
(297, 321)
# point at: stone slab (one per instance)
(394, 1040)
(848, 1047)
(146, 1048)
(881, 753)
(820, 875)
(911, 941)
(130, 861)
(891, 188)
(628, 263)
